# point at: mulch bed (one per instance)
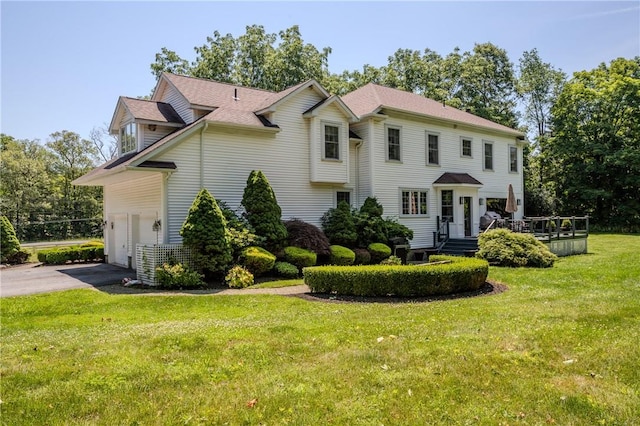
(489, 288)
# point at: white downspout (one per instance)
(204, 129)
(357, 182)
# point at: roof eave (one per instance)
(511, 132)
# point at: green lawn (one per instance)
(561, 346)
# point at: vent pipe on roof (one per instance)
(235, 94)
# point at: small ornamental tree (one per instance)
(263, 212)
(205, 232)
(9, 244)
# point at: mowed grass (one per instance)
(561, 346)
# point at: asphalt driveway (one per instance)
(31, 279)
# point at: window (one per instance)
(432, 149)
(465, 147)
(331, 142)
(488, 156)
(447, 206)
(393, 143)
(128, 138)
(343, 196)
(414, 202)
(513, 159)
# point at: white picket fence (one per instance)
(149, 257)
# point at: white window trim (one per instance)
(135, 135)
(323, 125)
(426, 136)
(517, 170)
(335, 196)
(425, 190)
(386, 143)
(465, 138)
(493, 156)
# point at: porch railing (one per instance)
(441, 236)
(546, 228)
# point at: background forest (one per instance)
(584, 130)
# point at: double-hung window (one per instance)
(488, 156)
(414, 202)
(343, 196)
(128, 138)
(393, 144)
(465, 147)
(433, 149)
(447, 206)
(331, 142)
(513, 159)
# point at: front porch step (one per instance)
(460, 246)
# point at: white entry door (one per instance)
(119, 232)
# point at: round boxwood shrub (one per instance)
(379, 252)
(447, 275)
(286, 270)
(300, 257)
(257, 260)
(502, 247)
(363, 257)
(341, 255)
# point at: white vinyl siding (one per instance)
(229, 158)
(179, 103)
(139, 200)
(152, 136)
(322, 169)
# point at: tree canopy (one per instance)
(595, 147)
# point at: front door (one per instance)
(468, 216)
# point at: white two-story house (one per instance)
(424, 161)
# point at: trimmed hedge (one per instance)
(62, 255)
(450, 275)
(379, 252)
(341, 255)
(300, 257)
(257, 260)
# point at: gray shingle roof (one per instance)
(151, 110)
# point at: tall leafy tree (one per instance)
(488, 84)
(26, 193)
(215, 59)
(73, 157)
(596, 144)
(263, 212)
(539, 85)
(169, 61)
(205, 232)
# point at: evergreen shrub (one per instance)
(502, 247)
(391, 260)
(300, 257)
(341, 255)
(263, 212)
(205, 232)
(286, 270)
(257, 260)
(339, 226)
(379, 252)
(9, 244)
(62, 255)
(450, 274)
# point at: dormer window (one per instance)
(128, 138)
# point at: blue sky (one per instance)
(64, 64)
